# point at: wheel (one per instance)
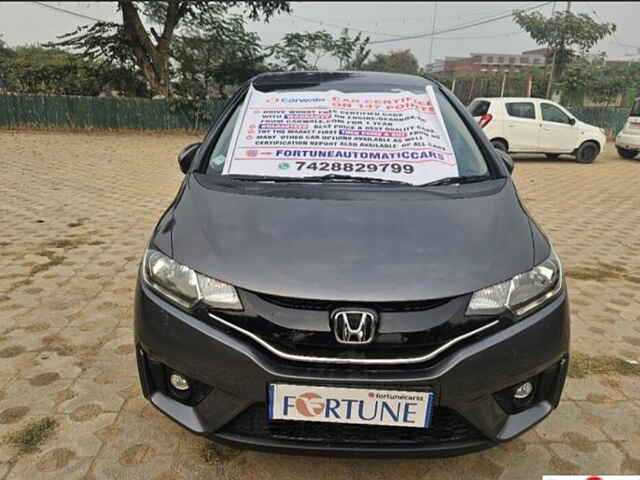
(552, 156)
(587, 152)
(499, 144)
(624, 153)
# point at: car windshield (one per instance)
(635, 110)
(471, 163)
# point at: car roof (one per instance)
(519, 99)
(339, 79)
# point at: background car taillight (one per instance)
(485, 119)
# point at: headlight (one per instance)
(522, 293)
(184, 286)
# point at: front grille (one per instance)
(447, 426)
(328, 305)
(274, 322)
(385, 345)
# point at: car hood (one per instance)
(384, 248)
(587, 127)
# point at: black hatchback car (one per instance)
(348, 316)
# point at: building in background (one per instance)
(437, 65)
(495, 62)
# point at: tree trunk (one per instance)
(152, 59)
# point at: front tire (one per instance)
(587, 152)
(624, 153)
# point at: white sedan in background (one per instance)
(535, 125)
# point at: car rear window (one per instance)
(521, 109)
(635, 110)
(479, 108)
(470, 159)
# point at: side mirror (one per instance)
(572, 121)
(507, 159)
(185, 157)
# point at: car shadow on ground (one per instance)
(541, 158)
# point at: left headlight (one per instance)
(522, 293)
(184, 286)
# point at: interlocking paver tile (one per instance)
(76, 213)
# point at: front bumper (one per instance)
(464, 381)
(628, 141)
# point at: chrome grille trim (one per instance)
(353, 361)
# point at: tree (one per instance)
(6, 54)
(399, 61)
(303, 51)
(566, 34)
(599, 82)
(5, 51)
(35, 69)
(150, 49)
(212, 59)
(351, 52)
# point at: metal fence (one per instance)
(610, 118)
(45, 111)
(19, 110)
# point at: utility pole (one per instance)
(433, 29)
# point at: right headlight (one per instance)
(184, 286)
(522, 293)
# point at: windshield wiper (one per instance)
(457, 180)
(319, 178)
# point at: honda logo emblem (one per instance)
(354, 326)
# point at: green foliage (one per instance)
(5, 51)
(190, 12)
(303, 51)
(213, 59)
(399, 61)
(601, 83)
(6, 54)
(132, 43)
(35, 69)
(567, 34)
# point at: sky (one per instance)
(31, 23)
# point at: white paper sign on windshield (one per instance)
(391, 136)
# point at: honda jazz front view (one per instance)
(347, 269)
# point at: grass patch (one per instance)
(602, 272)
(29, 439)
(582, 365)
(214, 453)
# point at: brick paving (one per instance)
(76, 212)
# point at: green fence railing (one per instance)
(611, 119)
(17, 110)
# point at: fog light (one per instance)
(179, 382)
(523, 391)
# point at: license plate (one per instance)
(350, 405)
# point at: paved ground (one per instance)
(76, 212)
